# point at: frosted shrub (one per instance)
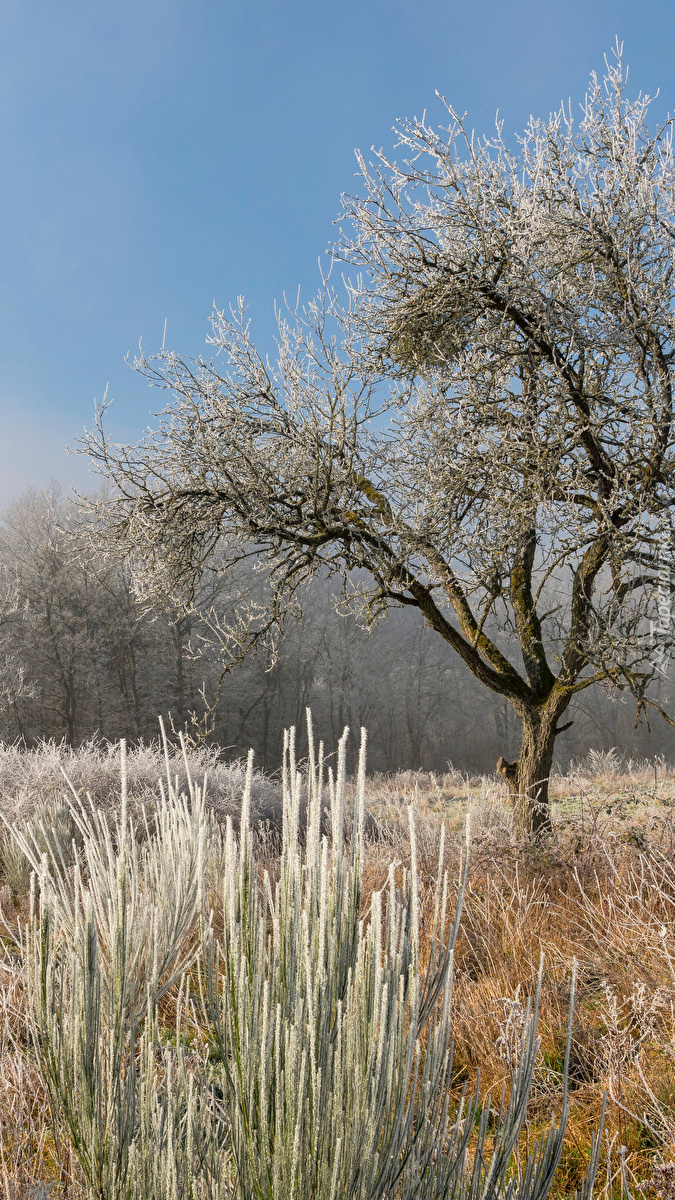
(47, 774)
(598, 765)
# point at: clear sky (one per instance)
(157, 155)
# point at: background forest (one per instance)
(80, 659)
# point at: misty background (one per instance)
(79, 658)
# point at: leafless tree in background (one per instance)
(489, 414)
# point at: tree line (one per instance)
(80, 656)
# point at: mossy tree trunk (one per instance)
(528, 777)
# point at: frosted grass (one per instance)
(306, 1050)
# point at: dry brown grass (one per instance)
(601, 889)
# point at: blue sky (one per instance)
(157, 155)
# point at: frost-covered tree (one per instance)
(483, 430)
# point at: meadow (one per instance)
(146, 912)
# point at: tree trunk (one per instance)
(528, 778)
